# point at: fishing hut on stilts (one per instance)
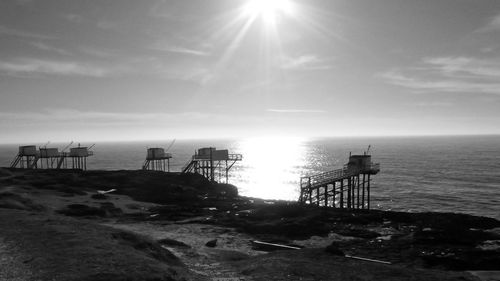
(348, 187)
(213, 164)
(62, 162)
(157, 160)
(79, 156)
(49, 157)
(26, 158)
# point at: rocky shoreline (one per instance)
(169, 226)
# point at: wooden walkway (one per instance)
(341, 188)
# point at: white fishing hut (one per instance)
(49, 152)
(157, 160)
(79, 156)
(362, 163)
(28, 150)
(26, 157)
(211, 153)
(49, 157)
(212, 163)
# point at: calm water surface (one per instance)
(452, 174)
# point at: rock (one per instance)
(334, 249)
(147, 246)
(358, 232)
(81, 210)
(172, 243)
(211, 243)
(99, 196)
(10, 200)
(490, 245)
(110, 209)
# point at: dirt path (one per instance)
(12, 266)
(211, 262)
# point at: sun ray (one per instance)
(271, 52)
(268, 10)
(313, 20)
(232, 24)
(231, 49)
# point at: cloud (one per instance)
(199, 75)
(100, 52)
(179, 50)
(295, 110)
(492, 25)
(490, 49)
(107, 25)
(452, 66)
(37, 66)
(70, 115)
(22, 34)
(433, 104)
(58, 124)
(187, 51)
(49, 48)
(195, 74)
(73, 18)
(118, 66)
(181, 70)
(448, 74)
(305, 62)
(73, 117)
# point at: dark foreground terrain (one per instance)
(55, 225)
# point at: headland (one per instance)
(151, 225)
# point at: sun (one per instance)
(268, 10)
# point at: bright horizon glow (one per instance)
(270, 166)
(268, 10)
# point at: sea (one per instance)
(459, 174)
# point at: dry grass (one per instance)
(58, 248)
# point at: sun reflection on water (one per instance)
(271, 167)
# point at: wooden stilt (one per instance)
(326, 196)
(334, 191)
(358, 193)
(317, 196)
(349, 192)
(342, 194)
(310, 195)
(368, 192)
(363, 194)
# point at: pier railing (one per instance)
(32, 160)
(331, 176)
(195, 158)
(326, 177)
(343, 188)
(231, 157)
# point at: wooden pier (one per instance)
(348, 187)
(212, 163)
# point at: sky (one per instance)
(163, 69)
